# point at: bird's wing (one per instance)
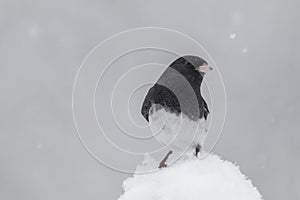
(162, 96)
(205, 110)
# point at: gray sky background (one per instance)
(42, 43)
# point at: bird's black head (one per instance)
(194, 63)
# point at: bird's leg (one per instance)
(163, 162)
(197, 150)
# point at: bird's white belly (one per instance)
(177, 131)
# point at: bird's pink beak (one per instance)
(204, 68)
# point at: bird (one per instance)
(174, 107)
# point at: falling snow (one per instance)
(232, 36)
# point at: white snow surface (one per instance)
(190, 178)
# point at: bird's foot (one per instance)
(163, 164)
(197, 150)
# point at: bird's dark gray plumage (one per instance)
(178, 89)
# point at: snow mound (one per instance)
(192, 179)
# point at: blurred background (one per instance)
(42, 43)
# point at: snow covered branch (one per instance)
(191, 179)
